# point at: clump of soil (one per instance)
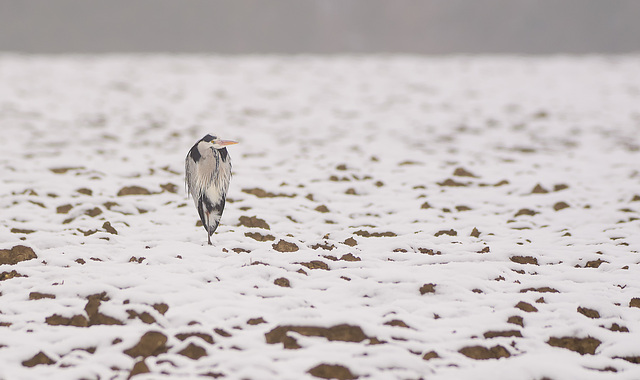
(427, 288)
(325, 246)
(450, 232)
(264, 194)
(85, 191)
(152, 343)
(10, 275)
(64, 209)
(95, 317)
(322, 208)
(560, 206)
(256, 321)
(516, 320)
(635, 302)
(328, 371)
(139, 368)
(589, 313)
(193, 351)
(538, 189)
(544, 289)
(524, 260)
(160, 307)
(430, 355)
(507, 333)
(582, 346)
(349, 257)
(374, 234)
(451, 183)
(253, 222)
(462, 172)
(285, 246)
(524, 306)
(204, 336)
(16, 254)
(259, 237)
(133, 190)
(351, 242)
(483, 353)
(144, 317)
(283, 282)
(39, 358)
(344, 333)
(525, 211)
(109, 228)
(316, 264)
(21, 231)
(39, 296)
(169, 187)
(77, 320)
(396, 323)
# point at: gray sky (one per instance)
(321, 26)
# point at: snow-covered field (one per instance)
(389, 218)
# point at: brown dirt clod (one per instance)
(450, 232)
(16, 254)
(524, 260)
(589, 313)
(430, 355)
(152, 343)
(193, 351)
(427, 288)
(95, 317)
(316, 264)
(283, 282)
(139, 368)
(343, 332)
(635, 302)
(475, 233)
(483, 353)
(77, 320)
(462, 172)
(204, 336)
(582, 346)
(560, 205)
(133, 190)
(160, 307)
(527, 307)
(349, 257)
(451, 183)
(525, 211)
(351, 242)
(64, 209)
(39, 296)
(253, 222)
(538, 189)
(331, 371)
(260, 193)
(396, 323)
(507, 334)
(259, 237)
(107, 227)
(285, 246)
(10, 275)
(39, 358)
(516, 320)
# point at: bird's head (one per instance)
(216, 142)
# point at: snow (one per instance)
(373, 139)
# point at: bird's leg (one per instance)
(209, 239)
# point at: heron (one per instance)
(207, 177)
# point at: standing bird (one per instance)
(207, 176)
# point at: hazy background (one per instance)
(321, 26)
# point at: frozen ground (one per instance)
(389, 218)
